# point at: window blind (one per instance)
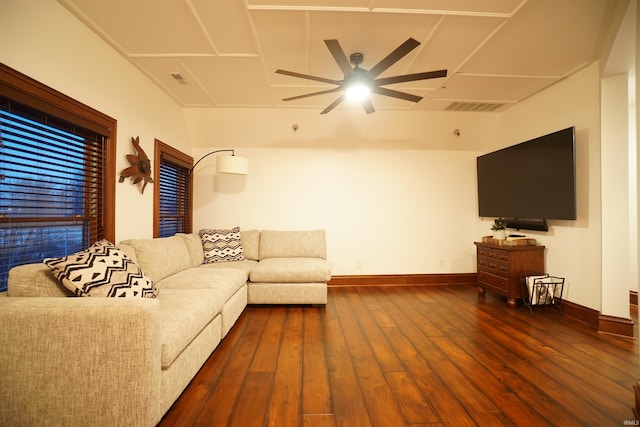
(51, 180)
(174, 206)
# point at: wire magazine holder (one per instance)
(542, 290)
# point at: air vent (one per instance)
(473, 106)
(178, 77)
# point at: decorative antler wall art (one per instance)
(140, 169)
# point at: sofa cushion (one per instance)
(184, 313)
(160, 257)
(250, 244)
(245, 265)
(194, 246)
(225, 281)
(291, 270)
(221, 245)
(286, 244)
(103, 270)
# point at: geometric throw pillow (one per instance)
(103, 270)
(221, 245)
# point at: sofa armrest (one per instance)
(79, 361)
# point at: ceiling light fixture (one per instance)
(228, 164)
(358, 92)
(359, 87)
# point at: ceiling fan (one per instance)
(369, 79)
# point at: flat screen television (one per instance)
(530, 182)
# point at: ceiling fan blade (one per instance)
(309, 77)
(333, 105)
(339, 56)
(394, 57)
(368, 106)
(411, 77)
(306, 95)
(395, 94)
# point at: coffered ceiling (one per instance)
(224, 53)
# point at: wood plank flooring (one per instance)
(411, 356)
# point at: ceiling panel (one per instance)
(228, 25)
(545, 38)
(143, 27)
(236, 81)
(491, 88)
(495, 51)
(451, 6)
(187, 92)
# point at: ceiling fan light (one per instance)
(357, 92)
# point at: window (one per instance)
(57, 173)
(172, 192)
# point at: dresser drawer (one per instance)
(492, 253)
(491, 280)
(492, 265)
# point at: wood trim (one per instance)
(25, 90)
(615, 326)
(403, 280)
(161, 150)
(633, 298)
(582, 314)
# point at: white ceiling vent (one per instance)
(178, 77)
(473, 106)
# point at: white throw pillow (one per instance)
(103, 270)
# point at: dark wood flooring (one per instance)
(411, 356)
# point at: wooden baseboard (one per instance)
(582, 314)
(633, 298)
(403, 280)
(615, 326)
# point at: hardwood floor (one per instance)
(411, 356)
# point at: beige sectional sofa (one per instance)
(124, 361)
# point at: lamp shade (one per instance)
(232, 164)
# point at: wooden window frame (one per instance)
(25, 90)
(166, 151)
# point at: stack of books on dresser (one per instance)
(511, 240)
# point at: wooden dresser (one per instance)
(500, 268)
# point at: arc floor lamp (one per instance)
(230, 164)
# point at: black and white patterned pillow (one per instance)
(221, 245)
(103, 270)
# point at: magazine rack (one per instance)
(542, 290)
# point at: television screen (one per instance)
(533, 180)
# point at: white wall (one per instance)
(573, 247)
(385, 211)
(618, 245)
(41, 39)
